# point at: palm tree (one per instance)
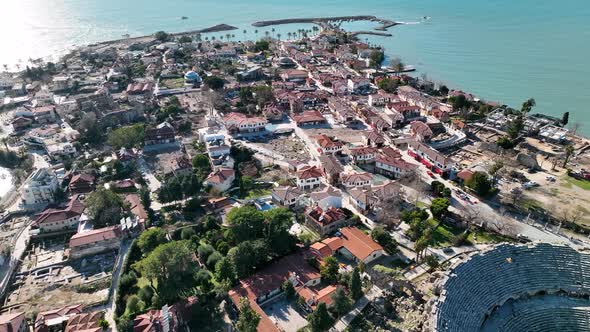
(569, 151)
(279, 36)
(256, 32)
(212, 37)
(266, 33)
(221, 37)
(273, 32)
(228, 36)
(206, 38)
(289, 35)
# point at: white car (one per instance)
(530, 184)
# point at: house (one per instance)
(309, 118)
(356, 180)
(164, 133)
(13, 322)
(273, 113)
(326, 198)
(459, 125)
(357, 84)
(409, 112)
(286, 196)
(87, 322)
(294, 75)
(373, 138)
(39, 187)
(365, 199)
(332, 168)
(266, 284)
(421, 131)
(326, 221)
(393, 167)
(95, 241)
(328, 145)
(312, 297)
(309, 177)
(238, 123)
(136, 207)
(125, 155)
(55, 319)
(363, 154)
(381, 98)
(19, 123)
(60, 219)
(163, 320)
(222, 179)
(81, 183)
(352, 243)
(434, 160)
(44, 114)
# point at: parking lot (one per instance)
(283, 314)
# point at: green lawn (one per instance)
(529, 203)
(172, 83)
(257, 193)
(442, 236)
(486, 237)
(569, 181)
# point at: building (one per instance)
(421, 131)
(20, 123)
(163, 320)
(95, 241)
(164, 133)
(329, 197)
(358, 84)
(356, 180)
(13, 322)
(87, 322)
(366, 199)
(373, 138)
(44, 114)
(294, 75)
(192, 78)
(309, 177)
(309, 118)
(81, 183)
(363, 154)
(326, 221)
(328, 145)
(352, 244)
(265, 285)
(39, 187)
(332, 168)
(286, 196)
(222, 179)
(60, 219)
(396, 168)
(381, 98)
(238, 123)
(434, 160)
(54, 320)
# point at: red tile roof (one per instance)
(95, 236)
(358, 243)
(11, 322)
(74, 208)
(221, 175)
(309, 172)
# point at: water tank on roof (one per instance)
(192, 76)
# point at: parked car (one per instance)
(431, 175)
(522, 238)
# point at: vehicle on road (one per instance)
(431, 175)
(530, 184)
(522, 238)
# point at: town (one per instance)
(300, 182)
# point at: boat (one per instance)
(184, 18)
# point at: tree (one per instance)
(565, 119)
(439, 207)
(329, 270)
(289, 290)
(505, 143)
(248, 319)
(387, 84)
(171, 268)
(90, 132)
(213, 259)
(320, 320)
(146, 293)
(340, 302)
(214, 82)
(261, 45)
(246, 184)
(444, 91)
(569, 151)
(432, 262)
(150, 239)
(381, 236)
(105, 207)
(128, 137)
(134, 305)
(201, 165)
(187, 233)
(528, 105)
(459, 102)
(224, 270)
(204, 250)
(396, 64)
(247, 223)
(103, 324)
(278, 223)
(376, 58)
(355, 285)
(185, 40)
(515, 127)
(422, 244)
(439, 189)
(480, 183)
(246, 256)
(162, 36)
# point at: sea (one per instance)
(500, 50)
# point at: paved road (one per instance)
(110, 306)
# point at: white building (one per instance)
(39, 188)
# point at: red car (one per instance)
(430, 174)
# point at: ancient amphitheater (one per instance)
(537, 287)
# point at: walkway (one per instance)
(369, 296)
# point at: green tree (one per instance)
(439, 207)
(248, 319)
(569, 151)
(289, 290)
(355, 285)
(261, 45)
(103, 324)
(246, 184)
(528, 105)
(340, 302)
(329, 270)
(187, 233)
(105, 207)
(381, 236)
(214, 82)
(246, 256)
(444, 91)
(185, 40)
(201, 165)
(515, 127)
(150, 239)
(389, 85)
(162, 36)
(170, 269)
(128, 137)
(505, 142)
(432, 262)
(146, 293)
(134, 305)
(320, 320)
(224, 270)
(213, 259)
(480, 183)
(376, 58)
(247, 223)
(278, 223)
(204, 251)
(565, 119)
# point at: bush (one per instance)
(460, 239)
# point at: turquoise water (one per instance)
(501, 50)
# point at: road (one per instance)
(153, 183)
(18, 250)
(110, 306)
